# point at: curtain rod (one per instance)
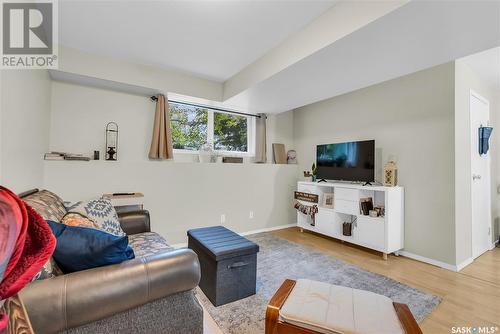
(154, 98)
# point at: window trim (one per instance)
(210, 135)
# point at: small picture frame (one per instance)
(365, 205)
(327, 200)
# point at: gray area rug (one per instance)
(279, 259)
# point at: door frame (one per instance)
(473, 93)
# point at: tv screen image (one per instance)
(350, 161)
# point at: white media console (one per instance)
(384, 234)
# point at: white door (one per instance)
(480, 175)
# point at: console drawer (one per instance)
(347, 207)
(347, 194)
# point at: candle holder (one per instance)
(111, 141)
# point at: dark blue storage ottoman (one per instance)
(228, 263)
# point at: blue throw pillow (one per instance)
(79, 248)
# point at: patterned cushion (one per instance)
(47, 204)
(101, 212)
(76, 219)
(49, 270)
(149, 243)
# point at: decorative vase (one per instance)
(207, 153)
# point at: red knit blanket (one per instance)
(26, 243)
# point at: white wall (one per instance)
(24, 127)
(79, 116)
(411, 120)
(279, 130)
(179, 195)
(165, 81)
(465, 80)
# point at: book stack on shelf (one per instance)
(76, 157)
(54, 156)
(65, 156)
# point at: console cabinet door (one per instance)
(304, 222)
(371, 232)
(326, 222)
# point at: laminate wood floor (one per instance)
(471, 297)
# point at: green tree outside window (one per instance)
(190, 129)
(189, 126)
(230, 132)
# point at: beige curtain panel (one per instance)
(161, 143)
(260, 139)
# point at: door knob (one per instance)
(476, 177)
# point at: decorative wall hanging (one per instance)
(307, 197)
(390, 174)
(484, 133)
(112, 141)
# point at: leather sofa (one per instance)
(152, 293)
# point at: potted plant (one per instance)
(314, 170)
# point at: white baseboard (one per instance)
(429, 261)
(267, 229)
(464, 264)
(437, 263)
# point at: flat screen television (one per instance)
(351, 161)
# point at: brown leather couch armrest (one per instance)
(133, 222)
(79, 298)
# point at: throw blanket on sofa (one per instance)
(309, 210)
(26, 244)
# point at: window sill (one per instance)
(219, 153)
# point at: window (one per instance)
(230, 132)
(194, 126)
(189, 126)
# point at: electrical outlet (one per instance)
(223, 218)
(250, 215)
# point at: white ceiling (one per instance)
(210, 39)
(416, 36)
(486, 65)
